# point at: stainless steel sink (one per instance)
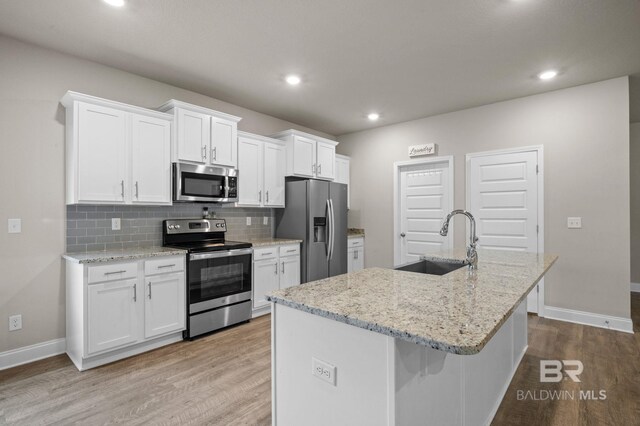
(431, 267)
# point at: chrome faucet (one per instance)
(472, 254)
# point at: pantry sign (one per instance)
(425, 149)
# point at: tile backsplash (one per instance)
(89, 227)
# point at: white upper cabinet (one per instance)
(202, 135)
(101, 144)
(261, 170)
(343, 166)
(193, 135)
(150, 160)
(309, 155)
(116, 153)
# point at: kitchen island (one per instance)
(381, 346)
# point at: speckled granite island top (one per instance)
(265, 242)
(121, 255)
(458, 312)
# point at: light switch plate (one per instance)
(14, 226)
(323, 371)
(574, 222)
(248, 220)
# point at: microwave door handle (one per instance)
(226, 187)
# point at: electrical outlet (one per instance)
(14, 226)
(574, 222)
(115, 224)
(248, 220)
(324, 371)
(15, 322)
(265, 220)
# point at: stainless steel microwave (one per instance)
(207, 184)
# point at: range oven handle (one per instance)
(217, 254)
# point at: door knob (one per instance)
(403, 235)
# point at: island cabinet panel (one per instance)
(382, 380)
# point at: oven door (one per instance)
(203, 183)
(219, 278)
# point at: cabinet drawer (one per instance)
(265, 253)
(355, 242)
(291, 250)
(111, 272)
(164, 265)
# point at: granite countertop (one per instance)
(458, 312)
(120, 255)
(355, 233)
(265, 242)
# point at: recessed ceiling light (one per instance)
(373, 116)
(115, 3)
(547, 75)
(293, 80)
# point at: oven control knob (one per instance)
(222, 225)
(177, 226)
(170, 226)
(217, 225)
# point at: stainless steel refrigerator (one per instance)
(316, 213)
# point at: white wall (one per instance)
(634, 167)
(32, 81)
(585, 133)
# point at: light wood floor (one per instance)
(225, 379)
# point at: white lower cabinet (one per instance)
(355, 254)
(274, 267)
(115, 309)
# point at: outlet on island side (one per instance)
(324, 371)
(265, 220)
(248, 220)
(15, 322)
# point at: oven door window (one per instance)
(201, 185)
(219, 277)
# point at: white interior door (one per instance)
(425, 198)
(502, 194)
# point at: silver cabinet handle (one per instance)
(291, 251)
(403, 235)
(137, 194)
(135, 291)
(357, 255)
(149, 289)
(115, 272)
(214, 153)
(122, 186)
(259, 196)
(313, 169)
(167, 266)
(319, 169)
(267, 194)
(354, 254)
(276, 271)
(267, 254)
(283, 267)
(204, 152)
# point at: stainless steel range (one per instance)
(218, 273)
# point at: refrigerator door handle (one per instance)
(333, 228)
(327, 232)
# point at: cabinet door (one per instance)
(289, 271)
(164, 309)
(112, 315)
(265, 279)
(102, 152)
(304, 156)
(358, 261)
(250, 170)
(151, 162)
(274, 171)
(325, 169)
(224, 142)
(194, 133)
(351, 257)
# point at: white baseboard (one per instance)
(32, 353)
(635, 287)
(588, 318)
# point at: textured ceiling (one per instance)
(405, 59)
